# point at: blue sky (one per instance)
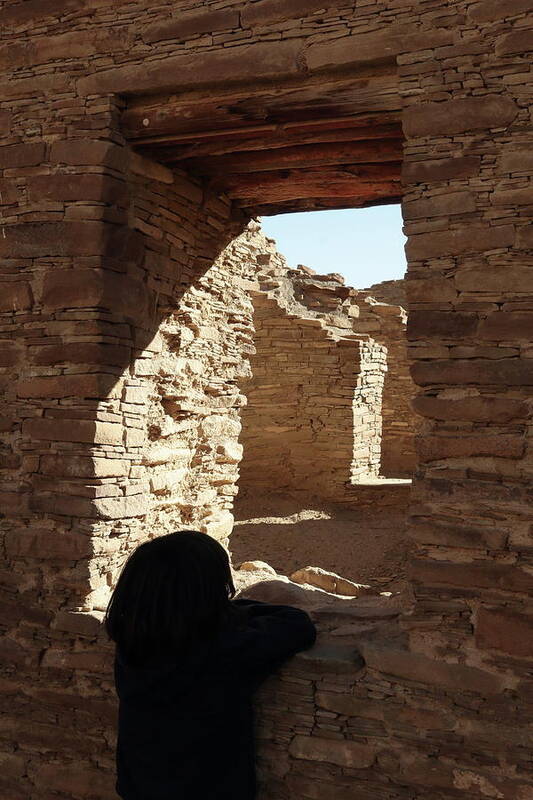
(365, 245)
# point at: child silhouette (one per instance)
(188, 659)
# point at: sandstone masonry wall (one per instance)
(110, 436)
(386, 323)
(390, 725)
(312, 422)
(392, 292)
(359, 311)
(459, 692)
(330, 373)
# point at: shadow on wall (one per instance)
(116, 405)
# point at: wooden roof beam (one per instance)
(378, 198)
(318, 155)
(282, 185)
(224, 145)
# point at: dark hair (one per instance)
(173, 591)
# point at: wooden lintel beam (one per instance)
(224, 145)
(318, 204)
(304, 157)
(373, 74)
(334, 191)
(181, 124)
(307, 99)
(345, 121)
(286, 184)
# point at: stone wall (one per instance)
(122, 350)
(330, 378)
(392, 292)
(192, 374)
(469, 292)
(361, 313)
(312, 422)
(386, 323)
(463, 72)
(367, 719)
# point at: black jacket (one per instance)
(186, 729)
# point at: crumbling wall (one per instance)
(313, 415)
(303, 396)
(462, 686)
(179, 399)
(192, 375)
(312, 421)
(393, 292)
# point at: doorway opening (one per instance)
(288, 149)
(327, 430)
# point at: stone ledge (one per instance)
(326, 657)
(385, 491)
(406, 665)
(82, 623)
(381, 483)
(343, 753)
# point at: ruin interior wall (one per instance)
(360, 312)
(386, 323)
(303, 429)
(330, 373)
(392, 292)
(312, 421)
(454, 713)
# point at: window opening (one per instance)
(327, 432)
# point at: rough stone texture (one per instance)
(392, 292)
(105, 426)
(447, 714)
(330, 582)
(459, 116)
(328, 398)
(312, 422)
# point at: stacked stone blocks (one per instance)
(77, 203)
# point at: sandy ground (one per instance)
(289, 533)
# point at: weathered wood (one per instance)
(266, 187)
(290, 145)
(180, 118)
(161, 125)
(359, 173)
(365, 152)
(287, 191)
(381, 196)
(286, 102)
(278, 137)
(323, 85)
(258, 137)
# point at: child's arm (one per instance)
(273, 634)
